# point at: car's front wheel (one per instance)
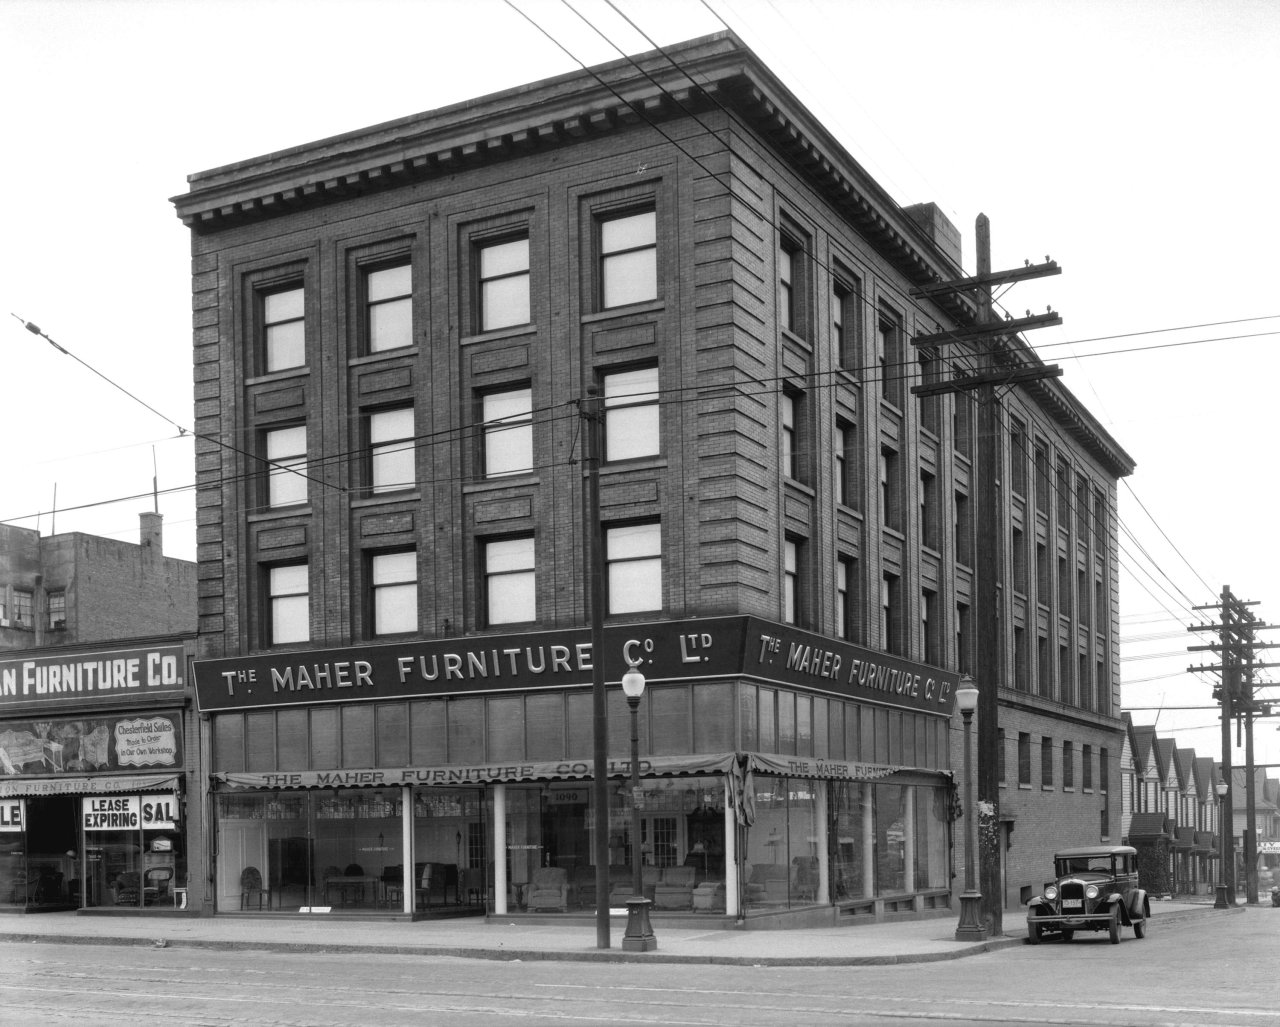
(1140, 928)
(1034, 933)
(1114, 927)
(1068, 934)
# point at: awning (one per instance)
(831, 770)
(1204, 841)
(101, 785)
(461, 775)
(1149, 825)
(1185, 839)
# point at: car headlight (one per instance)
(1091, 892)
(1051, 893)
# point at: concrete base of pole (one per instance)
(639, 936)
(971, 927)
(1222, 901)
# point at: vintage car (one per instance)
(1096, 889)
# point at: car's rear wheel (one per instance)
(1034, 933)
(1068, 934)
(1114, 927)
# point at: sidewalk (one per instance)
(908, 941)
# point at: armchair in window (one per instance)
(548, 890)
(157, 885)
(126, 888)
(252, 888)
(675, 890)
(623, 888)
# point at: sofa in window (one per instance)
(675, 890)
(768, 884)
(622, 888)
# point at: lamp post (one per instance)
(639, 934)
(971, 927)
(1223, 900)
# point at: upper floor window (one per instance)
(787, 457)
(1046, 762)
(504, 284)
(286, 451)
(631, 427)
(787, 284)
(510, 592)
(846, 321)
(288, 604)
(841, 445)
(391, 450)
(22, 608)
(628, 259)
(791, 581)
(389, 299)
(889, 353)
(633, 567)
(57, 604)
(393, 592)
(508, 432)
(930, 626)
(283, 329)
(891, 613)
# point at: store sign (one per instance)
(89, 745)
(665, 651)
(159, 812)
(111, 812)
(13, 815)
(74, 678)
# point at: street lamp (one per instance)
(1222, 900)
(639, 935)
(970, 928)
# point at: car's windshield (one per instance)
(1084, 865)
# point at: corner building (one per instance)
(405, 338)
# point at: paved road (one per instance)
(1178, 975)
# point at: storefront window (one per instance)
(932, 818)
(891, 822)
(782, 851)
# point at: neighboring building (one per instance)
(98, 748)
(72, 588)
(402, 326)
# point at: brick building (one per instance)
(397, 335)
(97, 744)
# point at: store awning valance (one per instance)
(100, 785)
(830, 770)
(460, 775)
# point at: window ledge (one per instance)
(386, 499)
(277, 376)
(279, 513)
(497, 484)
(799, 486)
(512, 332)
(640, 463)
(381, 355)
(647, 307)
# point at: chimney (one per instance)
(938, 227)
(153, 532)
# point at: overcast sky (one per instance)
(1133, 141)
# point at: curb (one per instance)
(514, 955)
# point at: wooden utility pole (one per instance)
(988, 664)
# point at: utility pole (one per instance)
(1236, 645)
(594, 560)
(992, 334)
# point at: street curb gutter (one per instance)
(510, 955)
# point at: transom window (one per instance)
(389, 293)
(508, 432)
(393, 582)
(288, 604)
(628, 259)
(633, 567)
(283, 329)
(391, 450)
(631, 414)
(504, 284)
(287, 466)
(510, 581)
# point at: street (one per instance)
(1174, 976)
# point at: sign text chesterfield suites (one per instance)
(667, 651)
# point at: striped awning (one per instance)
(102, 784)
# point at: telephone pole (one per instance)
(1236, 645)
(1008, 368)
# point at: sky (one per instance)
(1132, 141)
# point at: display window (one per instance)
(133, 853)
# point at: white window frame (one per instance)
(389, 300)
(507, 431)
(632, 428)
(286, 454)
(503, 292)
(288, 603)
(628, 264)
(510, 580)
(283, 314)
(392, 453)
(393, 592)
(633, 567)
